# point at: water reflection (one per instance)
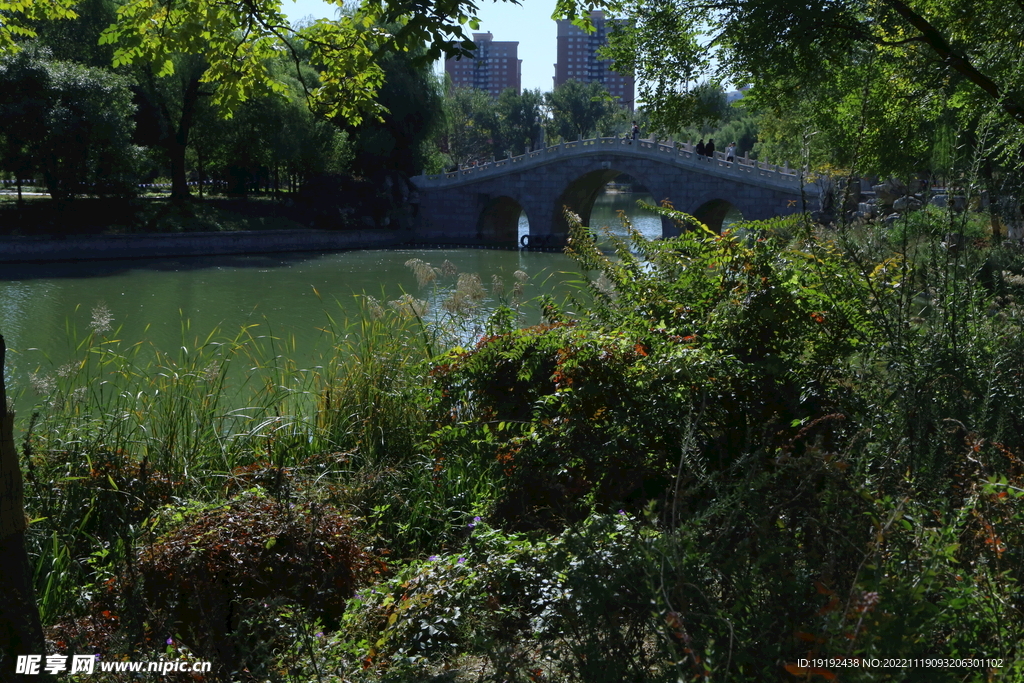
(605, 219)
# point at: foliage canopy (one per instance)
(877, 80)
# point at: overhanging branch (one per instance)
(959, 63)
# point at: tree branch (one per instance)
(934, 38)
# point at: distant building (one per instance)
(494, 66)
(578, 61)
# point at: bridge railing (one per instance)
(684, 154)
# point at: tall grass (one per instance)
(126, 428)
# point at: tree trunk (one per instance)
(20, 630)
(178, 143)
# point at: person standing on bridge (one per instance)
(730, 152)
(700, 148)
(636, 133)
(709, 149)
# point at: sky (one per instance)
(530, 24)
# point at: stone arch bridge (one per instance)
(482, 204)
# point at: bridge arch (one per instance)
(712, 212)
(499, 221)
(582, 192)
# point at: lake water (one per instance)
(168, 302)
(287, 295)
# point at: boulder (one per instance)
(907, 204)
(889, 191)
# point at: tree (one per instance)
(713, 116)
(77, 40)
(620, 121)
(466, 133)
(20, 19)
(520, 120)
(412, 110)
(577, 109)
(238, 37)
(68, 122)
(168, 110)
(24, 101)
(265, 137)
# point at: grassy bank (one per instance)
(743, 451)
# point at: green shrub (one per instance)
(933, 221)
(573, 607)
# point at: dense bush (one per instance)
(573, 607)
(813, 416)
(218, 575)
(744, 450)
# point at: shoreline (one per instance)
(72, 248)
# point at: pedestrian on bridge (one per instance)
(636, 132)
(730, 152)
(709, 149)
(700, 148)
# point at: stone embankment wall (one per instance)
(102, 247)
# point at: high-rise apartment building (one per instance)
(494, 66)
(578, 60)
